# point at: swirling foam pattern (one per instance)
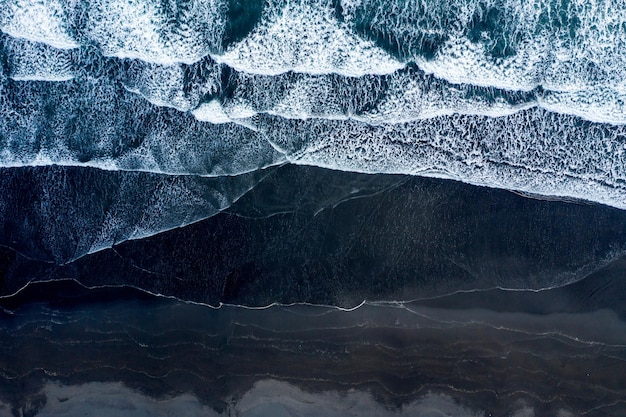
(528, 96)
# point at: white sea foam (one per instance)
(236, 111)
(411, 98)
(463, 62)
(532, 151)
(211, 112)
(394, 98)
(167, 85)
(307, 96)
(583, 53)
(304, 67)
(38, 21)
(574, 47)
(157, 33)
(161, 85)
(201, 149)
(223, 150)
(600, 105)
(30, 61)
(398, 98)
(117, 130)
(560, 46)
(305, 37)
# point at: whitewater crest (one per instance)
(525, 97)
(307, 38)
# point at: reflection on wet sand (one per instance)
(120, 350)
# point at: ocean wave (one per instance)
(30, 61)
(402, 96)
(506, 44)
(532, 150)
(172, 85)
(165, 33)
(69, 212)
(547, 117)
(306, 37)
(101, 123)
(500, 43)
(601, 105)
(39, 21)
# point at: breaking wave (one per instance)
(529, 97)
